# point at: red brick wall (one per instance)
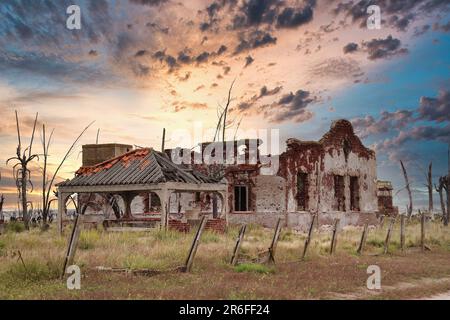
(216, 225)
(178, 225)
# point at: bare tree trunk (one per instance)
(2, 201)
(448, 187)
(408, 188)
(225, 112)
(441, 198)
(47, 181)
(23, 186)
(430, 190)
(440, 190)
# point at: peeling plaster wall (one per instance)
(339, 152)
(187, 202)
(301, 220)
(270, 194)
(268, 219)
(364, 169)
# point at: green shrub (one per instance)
(88, 239)
(287, 236)
(136, 261)
(253, 267)
(376, 243)
(32, 271)
(210, 236)
(15, 226)
(2, 248)
(163, 235)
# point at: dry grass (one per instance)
(212, 277)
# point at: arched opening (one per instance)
(145, 204)
(192, 205)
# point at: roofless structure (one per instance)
(135, 172)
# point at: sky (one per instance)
(138, 66)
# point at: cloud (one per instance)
(254, 39)
(442, 27)
(388, 121)
(397, 14)
(294, 17)
(336, 68)
(186, 105)
(402, 125)
(248, 61)
(148, 2)
(291, 107)
(247, 106)
(420, 133)
(169, 60)
(350, 47)
(435, 109)
(273, 13)
(383, 48)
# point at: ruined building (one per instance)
(385, 199)
(334, 177)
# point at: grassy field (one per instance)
(320, 276)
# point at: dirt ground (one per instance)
(411, 274)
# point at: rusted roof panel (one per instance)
(140, 166)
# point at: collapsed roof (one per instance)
(140, 166)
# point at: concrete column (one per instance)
(127, 199)
(62, 198)
(164, 196)
(347, 192)
(224, 212)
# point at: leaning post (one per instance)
(362, 243)
(73, 243)
(194, 246)
(274, 243)
(388, 236)
(402, 232)
(237, 247)
(308, 239)
(334, 238)
(422, 231)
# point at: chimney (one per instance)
(97, 153)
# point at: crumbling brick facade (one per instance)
(338, 173)
(333, 177)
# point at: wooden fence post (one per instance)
(73, 243)
(273, 245)
(402, 232)
(194, 246)
(422, 231)
(362, 243)
(381, 225)
(388, 236)
(237, 247)
(334, 238)
(308, 239)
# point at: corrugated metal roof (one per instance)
(140, 166)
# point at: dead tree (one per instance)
(440, 188)
(430, 189)
(222, 123)
(2, 201)
(21, 173)
(48, 180)
(408, 188)
(221, 126)
(448, 186)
